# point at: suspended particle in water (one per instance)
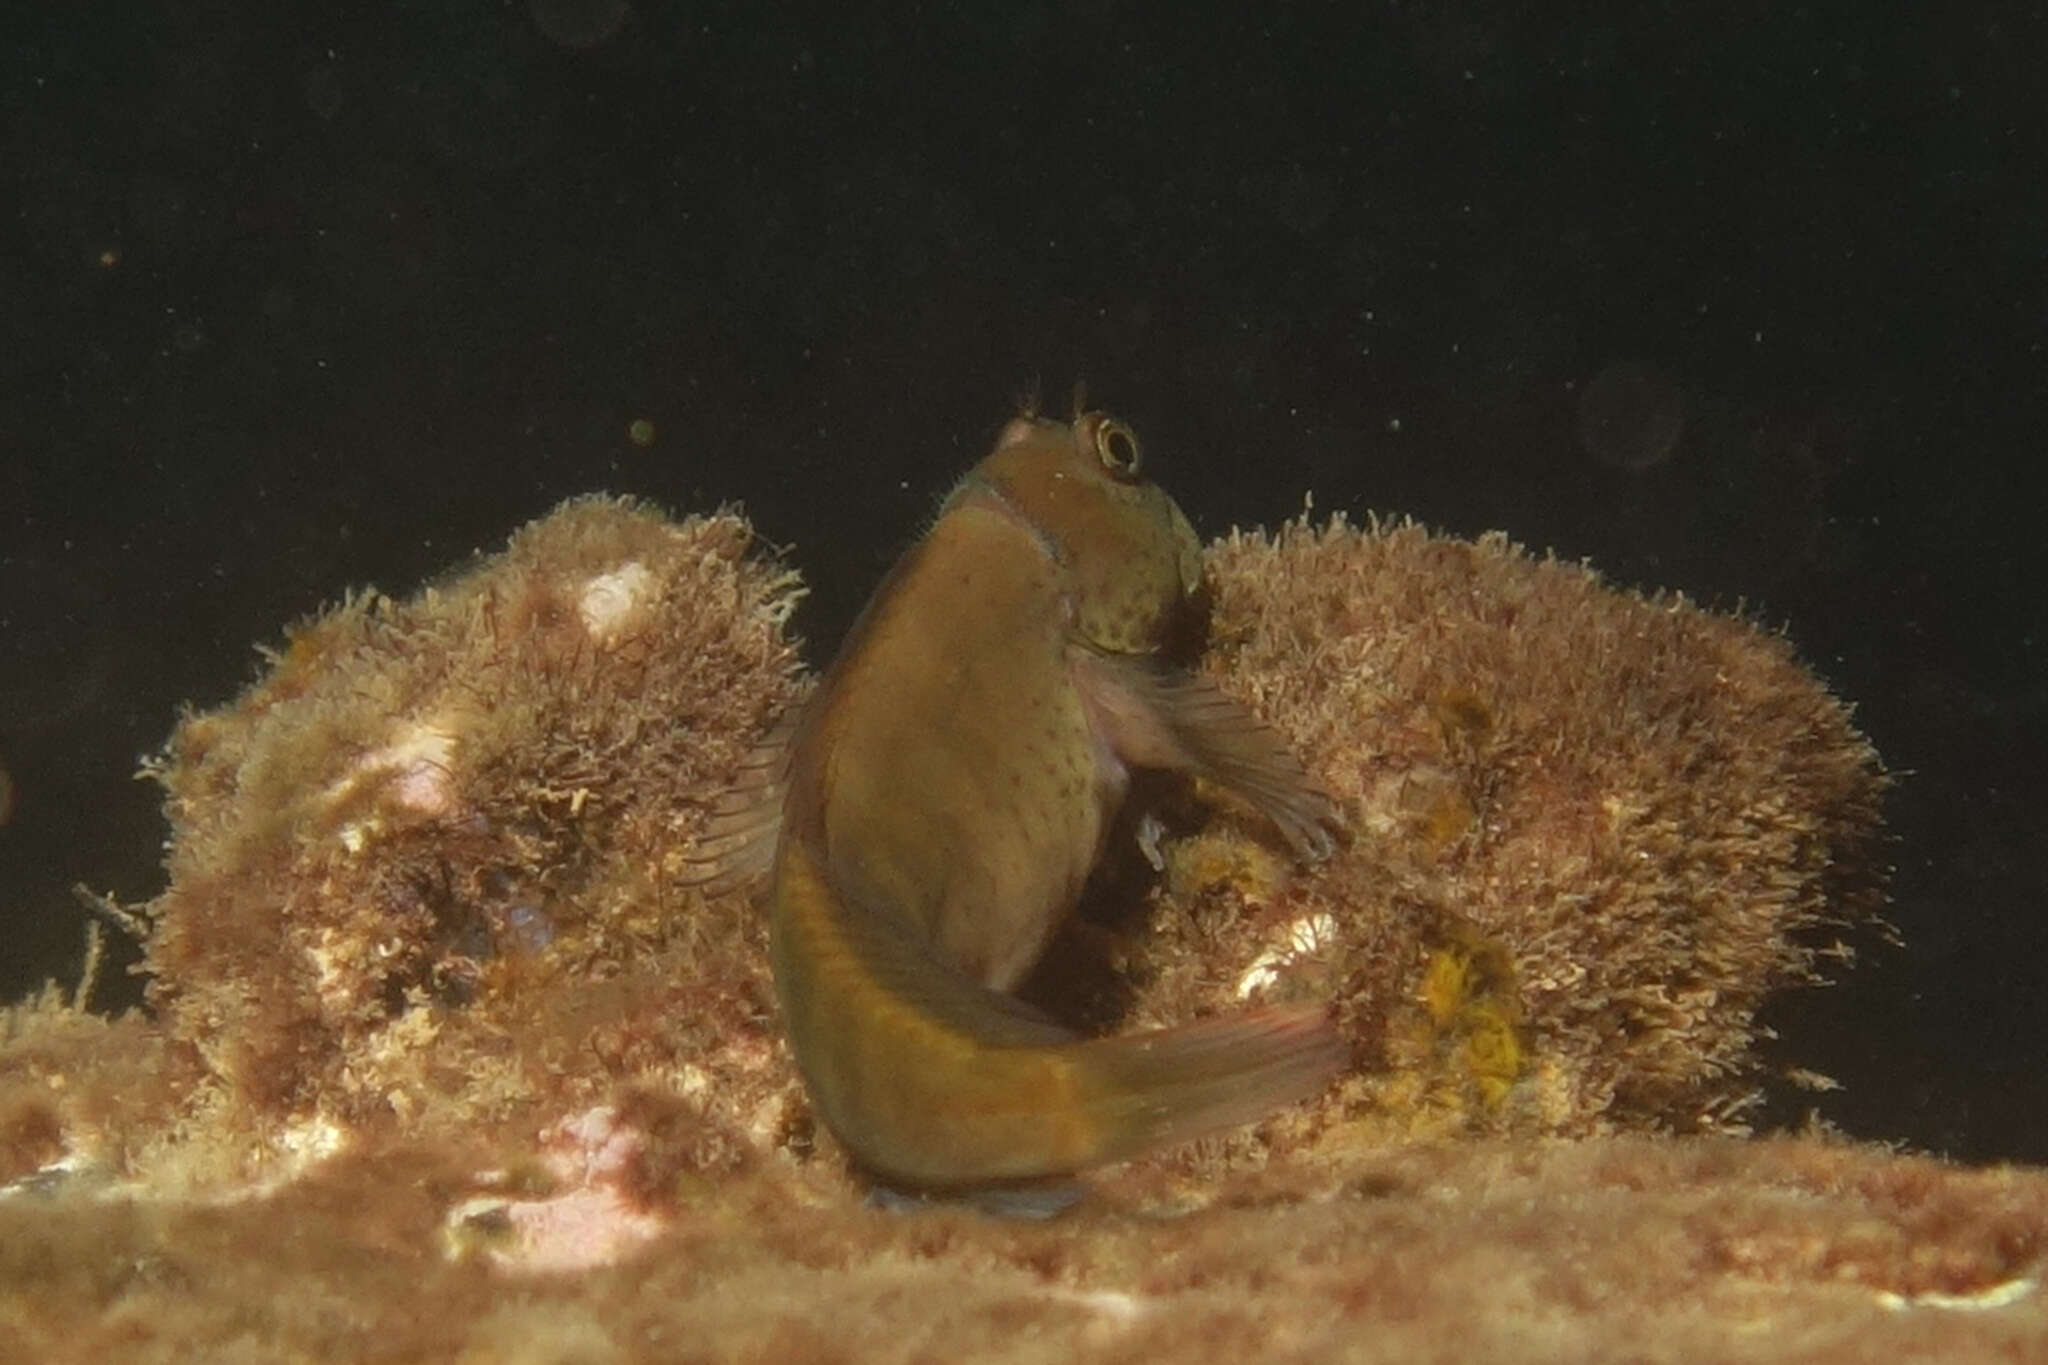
(1631, 415)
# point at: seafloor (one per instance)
(1618, 1249)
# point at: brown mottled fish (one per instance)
(948, 789)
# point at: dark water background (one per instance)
(1747, 301)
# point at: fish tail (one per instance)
(934, 1082)
(1152, 1089)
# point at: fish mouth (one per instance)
(975, 491)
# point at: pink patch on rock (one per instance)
(589, 1222)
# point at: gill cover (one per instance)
(1130, 559)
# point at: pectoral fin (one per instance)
(1155, 717)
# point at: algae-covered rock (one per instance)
(441, 995)
(1589, 832)
(421, 873)
(431, 873)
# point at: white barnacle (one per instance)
(1264, 971)
(608, 599)
(1305, 937)
(1311, 934)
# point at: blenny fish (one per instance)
(943, 797)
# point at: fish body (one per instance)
(949, 788)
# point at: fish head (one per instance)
(1130, 561)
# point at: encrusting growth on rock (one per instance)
(1590, 831)
(436, 959)
(420, 871)
(430, 874)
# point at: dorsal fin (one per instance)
(736, 847)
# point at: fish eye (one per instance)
(1117, 447)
